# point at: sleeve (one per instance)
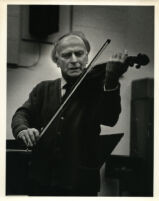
(25, 116)
(110, 107)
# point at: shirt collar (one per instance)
(63, 82)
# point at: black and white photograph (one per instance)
(80, 100)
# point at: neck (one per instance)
(70, 80)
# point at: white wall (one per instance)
(129, 28)
(20, 81)
(13, 34)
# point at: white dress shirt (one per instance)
(63, 83)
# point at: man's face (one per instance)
(72, 56)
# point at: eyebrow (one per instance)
(70, 52)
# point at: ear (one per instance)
(57, 63)
(86, 60)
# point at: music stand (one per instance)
(107, 145)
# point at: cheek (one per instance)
(61, 62)
(63, 65)
(85, 60)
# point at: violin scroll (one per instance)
(139, 60)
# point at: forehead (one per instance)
(71, 42)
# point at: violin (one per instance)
(97, 72)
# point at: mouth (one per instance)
(75, 71)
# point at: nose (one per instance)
(73, 58)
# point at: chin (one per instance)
(72, 75)
(75, 74)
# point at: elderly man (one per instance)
(65, 158)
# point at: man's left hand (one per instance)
(115, 68)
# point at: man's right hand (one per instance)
(29, 136)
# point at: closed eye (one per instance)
(66, 55)
(69, 54)
(79, 53)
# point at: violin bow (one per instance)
(140, 59)
(76, 85)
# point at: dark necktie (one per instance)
(68, 88)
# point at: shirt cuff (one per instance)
(19, 133)
(19, 129)
(114, 89)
